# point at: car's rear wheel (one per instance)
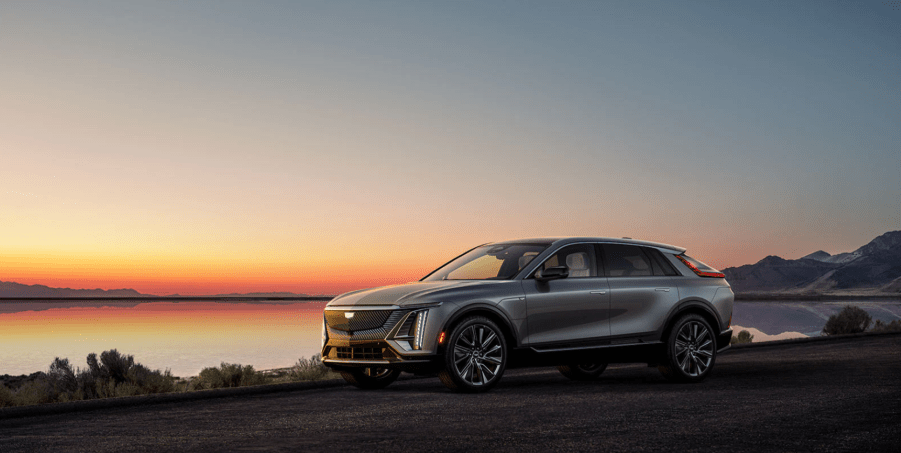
(690, 350)
(583, 371)
(476, 356)
(371, 378)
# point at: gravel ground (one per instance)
(840, 395)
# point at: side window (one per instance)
(579, 259)
(626, 261)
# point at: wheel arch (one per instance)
(487, 311)
(691, 306)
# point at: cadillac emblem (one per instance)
(348, 314)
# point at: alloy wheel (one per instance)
(694, 348)
(478, 355)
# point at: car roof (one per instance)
(569, 240)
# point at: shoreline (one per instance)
(162, 398)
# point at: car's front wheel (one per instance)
(690, 350)
(476, 356)
(583, 371)
(371, 378)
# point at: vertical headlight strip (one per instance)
(324, 332)
(420, 328)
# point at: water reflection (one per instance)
(773, 318)
(182, 336)
(187, 336)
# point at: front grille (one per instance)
(359, 353)
(361, 320)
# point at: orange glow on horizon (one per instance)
(325, 274)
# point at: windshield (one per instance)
(488, 262)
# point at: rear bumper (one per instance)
(723, 340)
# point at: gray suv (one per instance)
(574, 303)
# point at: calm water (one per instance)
(187, 336)
(781, 319)
(181, 336)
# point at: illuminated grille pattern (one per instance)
(360, 335)
(362, 320)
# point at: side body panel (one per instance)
(640, 304)
(567, 309)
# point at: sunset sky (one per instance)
(318, 147)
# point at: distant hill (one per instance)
(874, 268)
(12, 289)
(272, 294)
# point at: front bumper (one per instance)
(375, 337)
(374, 354)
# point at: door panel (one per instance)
(567, 309)
(640, 294)
(640, 304)
(572, 308)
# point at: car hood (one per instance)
(408, 294)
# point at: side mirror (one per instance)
(552, 273)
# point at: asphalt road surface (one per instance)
(842, 395)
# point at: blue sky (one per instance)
(292, 135)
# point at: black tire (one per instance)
(371, 378)
(476, 356)
(690, 350)
(582, 371)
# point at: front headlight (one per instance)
(410, 333)
(324, 333)
(419, 331)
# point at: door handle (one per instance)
(598, 292)
(666, 290)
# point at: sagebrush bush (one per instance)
(7, 397)
(227, 375)
(113, 375)
(851, 319)
(894, 326)
(311, 369)
(743, 337)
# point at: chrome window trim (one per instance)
(527, 274)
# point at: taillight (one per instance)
(698, 271)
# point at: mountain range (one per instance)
(14, 290)
(872, 269)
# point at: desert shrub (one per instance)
(851, 319)
(150, 381)
(7, 397)
(115, 366)
(743, 337)
(894, 326)
(310, 369)
(227, 375)
(61, 376)
(113, 375)
(35, 392)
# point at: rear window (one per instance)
(661, 265)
